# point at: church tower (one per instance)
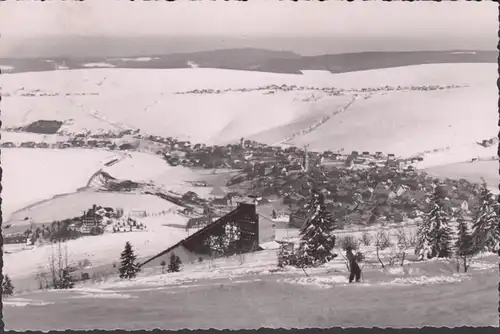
(306, 159)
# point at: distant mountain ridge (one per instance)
(262, 60)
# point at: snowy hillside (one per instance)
(252, 108)
(406, 123)
(32, 175)
(99, 250)
(73, 205)
(48, 172)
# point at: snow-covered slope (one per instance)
(35, 175)
(100, 250)
(20, 137)
(400, 122)
(73, 205)
(32, 175)
(114, 98)
(137, 166)
(406, 123)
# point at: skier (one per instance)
(353, 265)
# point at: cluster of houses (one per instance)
(489, 142)
(128, 224)
(268, 88)
(327, 90)
(412, 87)
(249, 156)
(38, 92)
(361, 196)
(94, 220)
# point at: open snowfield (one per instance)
(49, 172)
(488, 170)
(73, 205)
(32, 175)
(249, 293)
(20, 137)
(137, 166)
(100, 250)
(457, 154)
(406, 123)
(118, 95)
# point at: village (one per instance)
(330, 90)
(360, 188)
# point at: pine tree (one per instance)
(7, 286)
(485, 231)
(434, 233)
(175, 264)
(464, 244)
(128, 268)
(316, 242)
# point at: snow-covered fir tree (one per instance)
(128, 268)
(485, 231)
(317, 241)
(434, 233)
(463, 245)
(7, 286)
(175, 264)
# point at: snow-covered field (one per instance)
(49, 172)
(401, 122)
(406, 123)
(32, 175)
(20, 137)
(99, 65)
(428, 293)
(100, 250)
(73, 205)
(137, 166)
(474, 172)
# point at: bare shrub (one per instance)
(286, 257)
(405, 237)
(366, 239)
(382, 240)
(348, 241)
(100, 276)
(43, 280)
(84, 264)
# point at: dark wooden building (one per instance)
(235, 233)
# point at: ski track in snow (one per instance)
(317, 124)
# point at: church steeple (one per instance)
(306, 159)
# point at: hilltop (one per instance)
(252, 59)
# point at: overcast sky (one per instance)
(426, 25)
